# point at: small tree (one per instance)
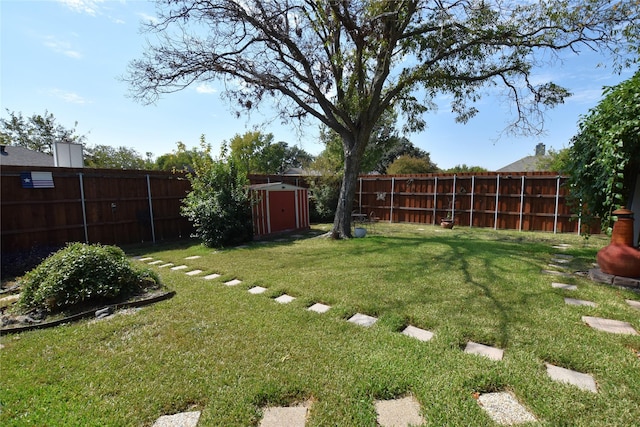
(218, 204)
(108, 157)
(604, 158)
(410, 165)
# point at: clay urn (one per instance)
(620, 258)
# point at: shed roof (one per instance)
(13, 155)
(275, 186)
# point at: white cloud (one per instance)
(206, 88)
(146, 17)
(61, 46)
(90, 7)
(70, 97)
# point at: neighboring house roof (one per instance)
(301, 172)
(11, 155)
(525, 164)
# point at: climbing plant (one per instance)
(604, 157)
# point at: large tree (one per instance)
(346, 62)
(108, 157)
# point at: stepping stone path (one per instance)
(608, 325)
(257, 290)
(319, 308)
(211, 276)
(284, 299)
(179, 267)
(484, 350)
(417, 333)
(362, 319)
(504, 409)
(564, 286)
(634, 304)
(578, 379)
(285, 416)
(193, 272)
(183, 419)
(573, 301)
(233, 282)
(398, 412)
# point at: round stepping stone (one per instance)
(179, 267)
(564, 286)
(284, 299)
(183, 419)
(319, 308)
(609, 325)
(193, 257)
(504, 409)
(281, 416)
(484, 350)
(420, 334)
(211, 276)
(233, 282)
(169, 264)
(257, 290)
(193, 272)
(634, 304)
(578, 379)
(573, 301)
(398, 412)
(362, 319)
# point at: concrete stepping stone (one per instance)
(484, 350)
(193, 272)
(556, 273)
(257, 290)
(398, 412)
(578, 379)
(634, 304)
(285, 416)
(420, 334)
(211, 276)
(505, 409)
(156, 262)
(183, 419)
(557, 267)
(560, 261)
(193, 257)
(564, 286)
(284, 299)
(233, 282)
(179, 267)
(145, 259)
(609, 325)
(319, 308)
(573, 301)
(169, 264)
(363, 319)
(561, 246)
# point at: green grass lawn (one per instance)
(229, 353)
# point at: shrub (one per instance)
(81, 273)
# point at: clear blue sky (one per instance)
(66, 57)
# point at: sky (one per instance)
(68, 57)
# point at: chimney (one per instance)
(540, 149)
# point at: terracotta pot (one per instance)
(620, 258)
(446, 223)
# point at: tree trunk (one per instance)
(342, 219)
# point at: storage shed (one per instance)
(278, 208)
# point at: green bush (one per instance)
(79, 274)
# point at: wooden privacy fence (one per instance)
(531, 201)
(91, 205)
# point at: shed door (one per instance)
(282, 210)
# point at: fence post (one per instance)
(360, 197)
(495, 217)
(153, 227)
(84, 209)
(435, 198)
(555, 215)
(393, 186)
(473, 187)
(521, 202)
(453, 202)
